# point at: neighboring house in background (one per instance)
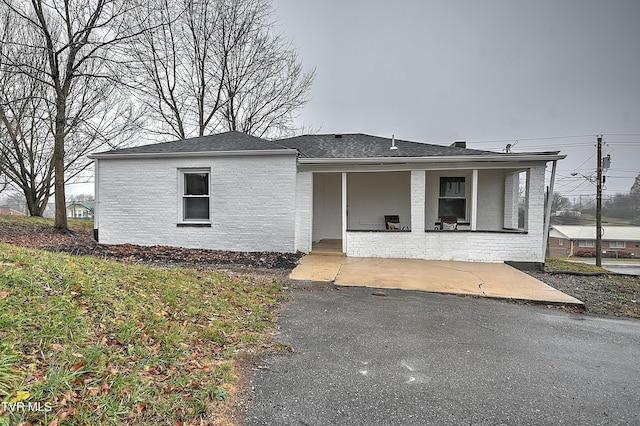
(81, 210)
(574, 240)
(9, 211)
(377, 197)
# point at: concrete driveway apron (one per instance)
(496, 280)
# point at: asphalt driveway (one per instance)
(422, 358)
(621, 266)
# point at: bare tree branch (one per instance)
(64, 52)
(206, 66)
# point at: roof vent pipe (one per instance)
(393, 142)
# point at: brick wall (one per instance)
(631, 249)
(557, 250)
(304, 206)
(253, 202)
(476, 246)
(479, 246)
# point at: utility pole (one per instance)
(599, 205)
(581, 204)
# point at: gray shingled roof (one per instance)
(358, 145)
(353, 145)
(228, 141)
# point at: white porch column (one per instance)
(344, 212)
(417, 201)
(511, 187)
(474, 199)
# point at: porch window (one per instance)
(452, 200)
(195, 195)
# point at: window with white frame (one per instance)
(452, 200)
(617, 244)
(194, 194)
(586, 243)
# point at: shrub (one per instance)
(618, 254)
(584, 253)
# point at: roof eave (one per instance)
(436, 159)
(237, 153)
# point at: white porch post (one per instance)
(417, 201)
(344, 212)
(474, 199)
(511, 187)
(547, 213)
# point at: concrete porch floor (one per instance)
(495, 280)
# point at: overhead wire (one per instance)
(532, 139)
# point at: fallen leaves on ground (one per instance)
(79, 241)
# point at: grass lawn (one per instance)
(89, 341)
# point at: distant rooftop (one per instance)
(610, 233)
(89, 205)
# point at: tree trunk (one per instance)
(58, 166)
(35, 206)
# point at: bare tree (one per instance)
(264, 81)
(559, 202)
(65, 50)
(26, 143)
(14, 199)
(634, 193)
(211, 65)
(82, 197)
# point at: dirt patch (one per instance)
(81, 242)
(615, 295)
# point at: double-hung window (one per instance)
(617, 244)
(194, 194)
(452, 200)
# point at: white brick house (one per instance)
(377, 197)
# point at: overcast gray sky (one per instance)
(480, 71)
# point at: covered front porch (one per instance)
(436, 213)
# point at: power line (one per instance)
(585, 161)
(533, 139)
(562, 144)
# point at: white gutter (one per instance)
(434, 159)
(96, 198)
(239, 153)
